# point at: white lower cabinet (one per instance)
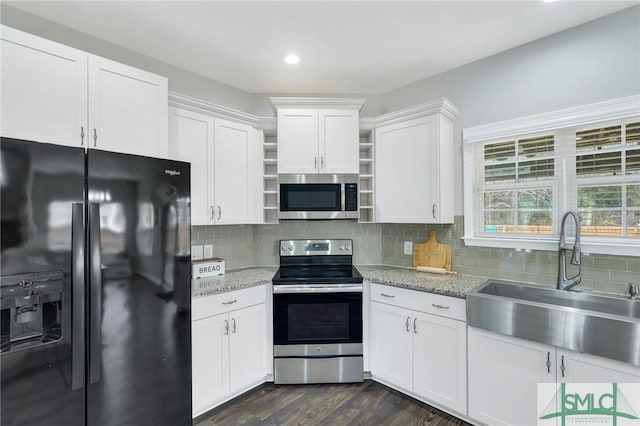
(504, 373)
(421, 353)
(229, 351)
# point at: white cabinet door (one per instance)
(127, 109)
(191, 139)
(298, 141)
(576, 367)
(404, 174)
(413, 171)
(339, 149)
(503, 376)
(247, 348)
(210, 360)
(44, 90)
(391, 345)
(440, 360)
(232, 146)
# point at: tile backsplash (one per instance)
(599, 272)
(246, 245)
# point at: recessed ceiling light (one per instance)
(548, 1)
(291, 59)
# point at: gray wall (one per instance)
(596, 61)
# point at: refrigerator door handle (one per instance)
(77, 296)
(95, 303)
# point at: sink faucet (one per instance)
(565, 283)
(634, 291)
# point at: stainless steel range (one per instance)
(317, 313)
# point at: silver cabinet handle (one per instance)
(415, 326)
(548, 362)
(322, 162)
(226, 327)
(212, 212)
(439, 306)
(81, 135)
(315, 162)
(219, 212)
(387, 295)
(95, 137)
(233, 320)
(562, 367)
(231, 302)
(433, 211)
(406, 324)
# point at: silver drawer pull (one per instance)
(231, 302)
(439, 306)
(387, 295)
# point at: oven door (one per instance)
(316, 317)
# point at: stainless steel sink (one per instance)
(592, 323)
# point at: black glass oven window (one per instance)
(318, 321)
(310, 197)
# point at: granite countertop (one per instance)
(448, 285)
(232, 280)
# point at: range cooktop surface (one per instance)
(317, 275)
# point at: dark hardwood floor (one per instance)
(368, 403)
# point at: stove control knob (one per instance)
(348, 247)
(290, 248)
(341, 247)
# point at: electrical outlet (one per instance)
(196, 252)
(208, 251)
(408, 247)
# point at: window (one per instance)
(522, 175)
(608, 181)
(518, 186)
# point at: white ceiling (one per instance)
(345, 47)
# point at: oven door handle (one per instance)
(317, 288)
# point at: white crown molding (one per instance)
(367, 123)
(438, 106)
(198, 105)
(308, 102)
(615, 109)
(268, 124)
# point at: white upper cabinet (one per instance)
(224, 177)
(414, 165)
(234, 145)
(44, 90)
(318, 135)
(339, 141)
(191, 140)
(127, 109)
(56, 94)
(298, 141)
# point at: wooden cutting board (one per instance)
(432, 253)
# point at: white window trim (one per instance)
(592, 114)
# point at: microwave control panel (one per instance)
(351, 197)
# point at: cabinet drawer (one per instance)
(226, 302)
(436, 304)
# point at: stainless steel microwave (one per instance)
(317, 196)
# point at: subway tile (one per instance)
(618, 263)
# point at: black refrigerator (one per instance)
(95, 280)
